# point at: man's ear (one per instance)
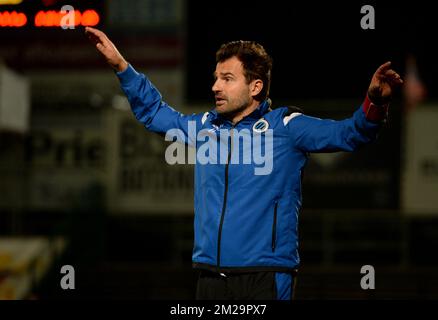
(255, 87)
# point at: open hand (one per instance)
(383, 83)
(107, 49)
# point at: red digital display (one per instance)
(48, 13)
(12, 19)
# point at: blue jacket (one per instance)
(243, 220)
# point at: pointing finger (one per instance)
(383, 67)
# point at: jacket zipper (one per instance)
(219, 237)
(274, 227)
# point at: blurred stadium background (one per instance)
(83, 184)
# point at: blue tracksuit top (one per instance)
(243, 220)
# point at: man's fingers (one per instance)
(397, 78)
(393, 76)
(93, 31)
(106, 48)
(93, 37)
(383, 67)
(391, 73)
(383, 73)
(97, 36)
(396, 81)
(100, 47)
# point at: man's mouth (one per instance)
(220, 101)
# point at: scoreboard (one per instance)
(34, 14)
(34, 36)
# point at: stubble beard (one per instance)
(234, 107)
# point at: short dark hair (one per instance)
(257, 64)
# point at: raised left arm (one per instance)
(311, 134)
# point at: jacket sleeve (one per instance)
(155, 114)
(310, 134)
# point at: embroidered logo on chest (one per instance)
(260, 126)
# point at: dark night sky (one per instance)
(319, 48)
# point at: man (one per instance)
(246, 243)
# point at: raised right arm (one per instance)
(145, 100)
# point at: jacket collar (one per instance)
(258, 113)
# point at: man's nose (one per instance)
(215, 88)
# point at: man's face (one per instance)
(231, 91)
